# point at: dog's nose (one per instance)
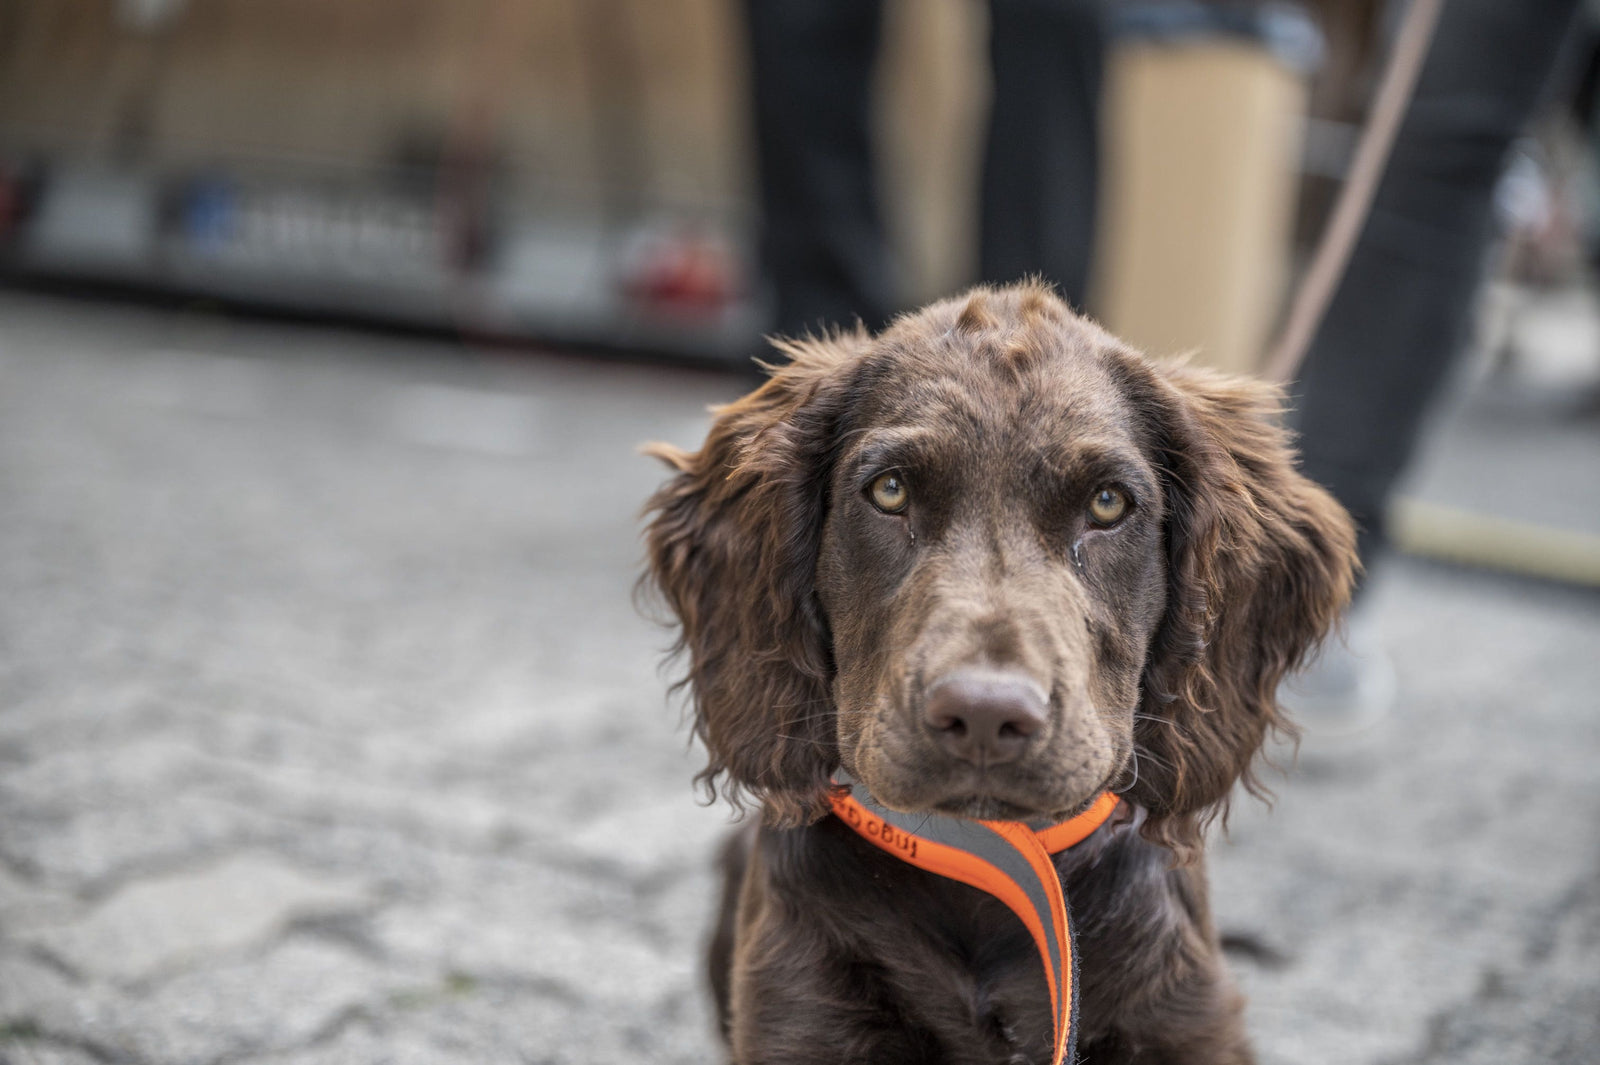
(986, 717)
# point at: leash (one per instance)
(1005, 859)
(1338, 239)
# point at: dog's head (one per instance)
(992, 562)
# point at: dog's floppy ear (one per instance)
(732, 545)
(1260, 566)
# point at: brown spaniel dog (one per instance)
(990, 563)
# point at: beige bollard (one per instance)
(1202, 147)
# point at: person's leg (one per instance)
(1400, 312)
(1040, 163)
(823, 247)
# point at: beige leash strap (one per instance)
(1355, 199)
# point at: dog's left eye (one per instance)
(1108, 506)
(888, 493)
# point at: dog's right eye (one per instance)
(1108, 506)
(888, 493)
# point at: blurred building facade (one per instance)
(579, 169)
(556, 164)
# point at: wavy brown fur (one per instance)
(1260, 565)
(732, 547)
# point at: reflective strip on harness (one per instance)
(1006, 859)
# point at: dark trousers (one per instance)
(823, 247)
(1400, 314)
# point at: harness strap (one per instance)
(1005, 859)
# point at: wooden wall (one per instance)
(362, 82)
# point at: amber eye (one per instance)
(888, 493)
(1108, 506)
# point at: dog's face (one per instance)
(992, 571)
(992, 562)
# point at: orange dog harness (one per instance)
(1006, 859)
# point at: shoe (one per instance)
(1345, 691)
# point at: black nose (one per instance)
(986, 717)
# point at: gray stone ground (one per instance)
(329, 733)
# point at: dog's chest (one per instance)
(1007, 1010)
(962, 966)
(957, 964)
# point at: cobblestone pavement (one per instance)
(329, 734)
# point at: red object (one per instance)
(682, 273)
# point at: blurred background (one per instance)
(329, 731)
